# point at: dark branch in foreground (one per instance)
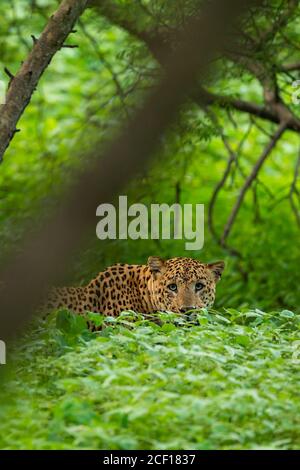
(24, 83)
(46, 254)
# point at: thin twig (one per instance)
(106, 63)
(248, 183)
(233, 158)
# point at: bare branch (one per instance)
(252, 176)
(292, 67)
(233, 158)
(155, 40)
(24, 83)
(204, 96)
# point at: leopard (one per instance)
(176, 285)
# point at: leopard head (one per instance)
(182, 284)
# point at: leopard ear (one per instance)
(157, 265)
(217, 268)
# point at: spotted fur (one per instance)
(144, 288)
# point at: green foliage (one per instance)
(78, 100)
(225, 380)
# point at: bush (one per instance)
(219, 380)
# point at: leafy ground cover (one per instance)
(219, 380)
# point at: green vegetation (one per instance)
(228, 379)
(221, 380)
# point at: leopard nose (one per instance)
(186, 309)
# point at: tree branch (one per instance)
(271, 144)
(118, 14)
(292, 67)
(158, 43)
(203, 96)
(232, 158)
(24, 83)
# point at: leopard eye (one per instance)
(199, 286)
(172, 287)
